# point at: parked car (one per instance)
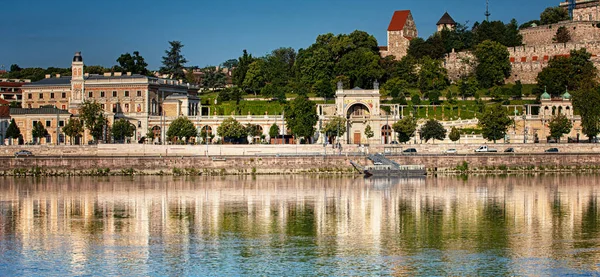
(409, 151)
(450, 151)
(509, 150)
(23, 153)
(551, 150)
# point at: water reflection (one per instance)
(517, 225)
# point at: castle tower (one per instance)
(77, 82)
(446, 22)
(401, 31)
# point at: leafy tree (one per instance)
(415, 99)
(562, 35)
(493, 64)
(134, 64)
(212, 78)
(406, 69)
(506, 35)
(458, 39)
(239, 73)
(432, 75)
(181, 128)
(39, 131)
(369, 132)
(587, 102)
(433, 47)
(253, 130)
(15, 67)
(255, 77)
(122, 129)
(73, 128)
(150, 135)
(279, 66)
(231, 129)
(494, 122)
(268, 91)
(323, 88)
(361, 66)
(454, 134)
(405, 128)
(231, 63)
(575, 72)
(13, 131)
(467, 87)
(301, 117)
(433, 129)
(530, 23)
(336, 127)
(512, 37)
(394, 87)
(274, 131)
(95, 69)
(553, 15)
(559, 125)
(173, 62)
(93, 118)
(517, 90)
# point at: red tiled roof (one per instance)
(398, 20)
(4, 111)
(11, 84)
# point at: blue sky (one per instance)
(39, 33)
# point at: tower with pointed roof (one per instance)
(77, 83)
(446, 22)
(400, 32)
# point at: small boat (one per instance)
(383, 166)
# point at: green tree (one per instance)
(239, 73)
(575, 72)
(230, 64)
(173, 62)
(562, 35)
(253, 130)
(432, 75)
(181, 128)
(494, 122)
(231, 129)
(13, 131)
(73, 129)
(454, 134)
(405, 128)
(586, 102)
(279, 66)
(93, 118)
(150, 135)
(361, 66)
(301, 117)
(496, 31)
(122, 129)
(212, 78)
(39, 131)
(559, 125)
(553, 15)
(467, 87)
(323, 88)
(255, 77)
(517, 90)
(434, 97)
(274, 131)
(269, 91)
(369, 132)
(394, 87)
(336, 127)
(433, 129)
(415, 99)
(493, 64)
(133, 63)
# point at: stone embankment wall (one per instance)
(283, 165)
(580, 31)
(261, 150)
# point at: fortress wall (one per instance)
(580, 31)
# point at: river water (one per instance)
(300, 226)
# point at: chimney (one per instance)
(57, 75)
(48, 76)
(107, 74)
(128, 73)
(117, 74)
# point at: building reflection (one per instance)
(533, 216)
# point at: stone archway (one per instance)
(357, 118)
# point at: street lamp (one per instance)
(524, 127)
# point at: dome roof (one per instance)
(77, 57)
(545, 95)
(566, 95)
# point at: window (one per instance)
(52, 95)
(29, 106)
(41, 96)
(126, 93)
(139, 93)
(126, 108)
(29, 96)
(48, 123)
(102, 106)
(61, 123)
(114, 109)
(33, 123)
(64, 95)
(64, 107)
(90, 94)
(48, 139)
(139, 108)
(114, 93)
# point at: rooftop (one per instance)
(399, 20)
(446, 20)
(43, 110)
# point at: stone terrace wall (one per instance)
(580, 31)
